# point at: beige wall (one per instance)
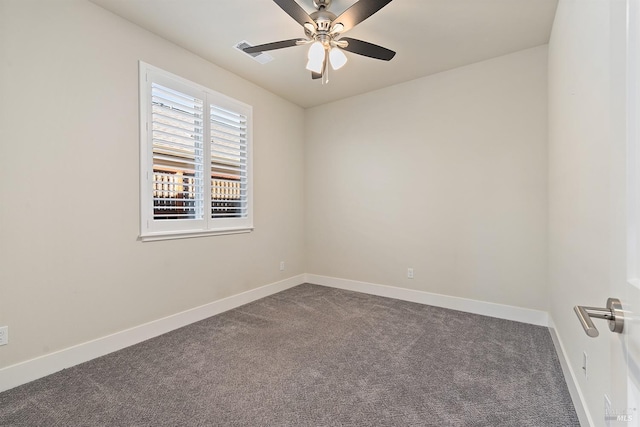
(71, 269)
(587, 216)
(445, 174)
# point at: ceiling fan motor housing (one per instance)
(323, 19)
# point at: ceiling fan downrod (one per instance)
(324, 4)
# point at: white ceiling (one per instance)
(429, 36)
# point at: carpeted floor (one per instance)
(313, 356)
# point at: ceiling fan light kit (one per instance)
(324, 29)
(316, 57)
(337, 58)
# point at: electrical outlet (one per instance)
(584, 364)
(281, 265)
(410, 273)
(4, 335)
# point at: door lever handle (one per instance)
(613, 313)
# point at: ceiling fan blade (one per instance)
(358, 13)
(316, 76)
(294, 10)
(368, 49)
(273, 46)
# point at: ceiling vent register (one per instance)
(261, 57)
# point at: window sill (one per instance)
(152, 237)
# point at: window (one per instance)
(195, 153)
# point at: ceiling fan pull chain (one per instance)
(325, 80)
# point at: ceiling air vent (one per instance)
(261, 57)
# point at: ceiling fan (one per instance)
(324, 32)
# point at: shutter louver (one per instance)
(177, 134)
(228, 164)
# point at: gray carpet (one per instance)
(313, 356)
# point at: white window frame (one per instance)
(151, 229)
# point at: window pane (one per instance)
(228, 164)
(177, 132)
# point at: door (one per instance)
(623, 406)
(622, 400)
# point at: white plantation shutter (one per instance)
(178, 152)
(228, 164)
(195, 159)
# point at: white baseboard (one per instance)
(508, 312)
(24, 372)
(570, 378)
